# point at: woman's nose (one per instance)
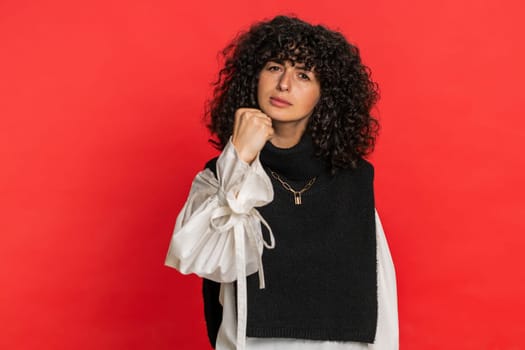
(285, 81)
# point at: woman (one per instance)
(291, 114)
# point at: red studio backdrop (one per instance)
(101, 134)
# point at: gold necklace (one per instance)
(296, 194)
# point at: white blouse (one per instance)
(218, 236)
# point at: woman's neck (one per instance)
(287, 134)
(297, 162)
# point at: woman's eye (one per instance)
(304, 76)
(273, 68)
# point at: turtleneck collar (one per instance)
(295, 163)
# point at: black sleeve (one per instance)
(210, 291)
(212, 308)
(212, 165)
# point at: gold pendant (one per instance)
(297, 197)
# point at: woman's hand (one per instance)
(251, 129)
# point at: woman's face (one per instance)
(287, 93)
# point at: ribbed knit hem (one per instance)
(332, 334)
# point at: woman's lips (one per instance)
(278, 102)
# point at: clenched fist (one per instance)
(251, 129)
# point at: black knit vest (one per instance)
(321, 279)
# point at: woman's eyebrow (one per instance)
(303, 68)
(298, 66)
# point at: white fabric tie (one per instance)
(241, 227)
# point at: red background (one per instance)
(101, 135)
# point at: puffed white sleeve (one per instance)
(387, 334)
(218, 232)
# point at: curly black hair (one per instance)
(341, 125)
